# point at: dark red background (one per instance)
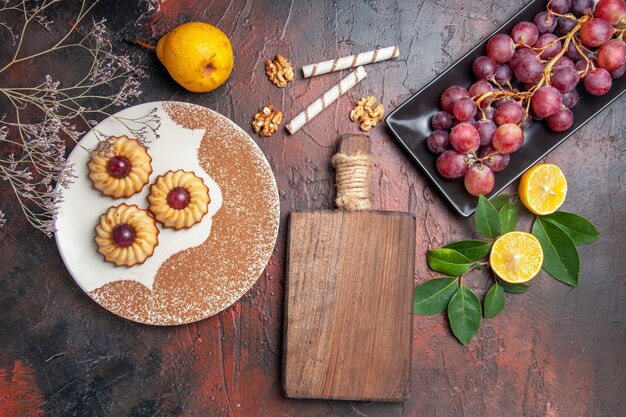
(554, 351)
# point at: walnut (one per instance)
(365, 114)
(279, 71)
(266, 121)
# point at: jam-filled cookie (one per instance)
(179, 199)
(126, 235)
(121, 169)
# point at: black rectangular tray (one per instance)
(410, 122)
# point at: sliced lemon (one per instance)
(516, 257)
(543, 189)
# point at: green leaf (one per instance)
(448, 262)
(471, 249)
(494, 301)
(464, 313)
(486, 218)
(509, 216)
(514, 288)
(560, 257)
(434, 295)
(579, 229)
(500, 200)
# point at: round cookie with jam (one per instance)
(179, 199)
(120, 167)
(126, 235)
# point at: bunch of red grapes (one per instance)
(530, 74)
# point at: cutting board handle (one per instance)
(353, 165)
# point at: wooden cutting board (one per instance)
(348, 301)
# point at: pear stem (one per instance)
(140, 43)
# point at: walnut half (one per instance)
(366, 114)
(266, 121)
(279, 71)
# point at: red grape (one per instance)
(570, 98)
(546, 101)
(497, 103)
(519, 54)
(464, 138)
(451, 95)
(528, 69)
(479, 179)
(613, 11)
(582, 65)
(525, 33)
(612, 55)
(545, 22)
(563, 62)
(594, 32)
(452, 164)
(551, 43)
(484, 68)
(478, 89)
(509, 112)
(560, 6)
(565, 79)
(464, 109)
(565, 25)
(581, 7)
(598, 82)
(485, 130)
(438, 141)
(507, 138)
(496, 161)
(489, 114)
(618, 72)
(500, 48)
(526, 123)
(441, 121)
(503, 74)
(572, 53)
(561, 120)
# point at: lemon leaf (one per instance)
(500, 200)
(509, 216)
(494, 301)
(434, 295)
(464, 314)
(560, 257)
(514, 288)
(579, 229)
(486, 218)
(471, 249)
(448, 262)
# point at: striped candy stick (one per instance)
(326, 100)
(351, 61)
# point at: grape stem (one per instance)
(481, 160)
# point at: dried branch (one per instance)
(42, 117)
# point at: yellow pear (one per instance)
(197, 55)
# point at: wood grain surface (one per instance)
(554, 351)
(348, 305)
(348, 308)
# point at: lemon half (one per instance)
(516, 257)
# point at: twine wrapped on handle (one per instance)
(353, 181)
